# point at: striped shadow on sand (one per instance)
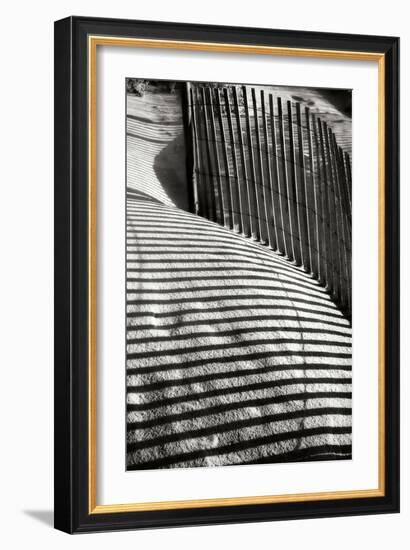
(234, 355)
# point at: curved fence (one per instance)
(273, 171)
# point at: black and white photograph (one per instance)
(238, 291)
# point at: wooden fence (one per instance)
(273, 171)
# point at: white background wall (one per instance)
(26, 291)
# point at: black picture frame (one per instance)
(71, 488)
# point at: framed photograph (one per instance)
(226, 274)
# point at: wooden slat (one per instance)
(346, 217)
(344, 185)
(191, 164)
(226, 181)
(205, 174)
(320, 203)
(250, 227)
(222, 207)
(255, 210)
(303, 213)
(283, 177)
(349, 178)
(295, 227)
(207, 146)
(266, 237)
(238, 207)
(345, 256)
(277, 193)
(333, 284)
(201, 200)
(272, 222)
(313, 201)
(335, 221)
(327, 254)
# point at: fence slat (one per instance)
(255, 210)
(332, 258)
(223, 211)
(207, 144)
(201, 202)
(277, 193)
(320, 202)
(189, 135)
(227, 188)
(237, 207)
(250, 227)
(293, 194)
(266, 236)
(328, 262)
(349, 178)
(342, 244)
(312, 197)
(344, 185)
(347, 219)
(285, 187)
(304, 228)
(335, 226)
(272, 222)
